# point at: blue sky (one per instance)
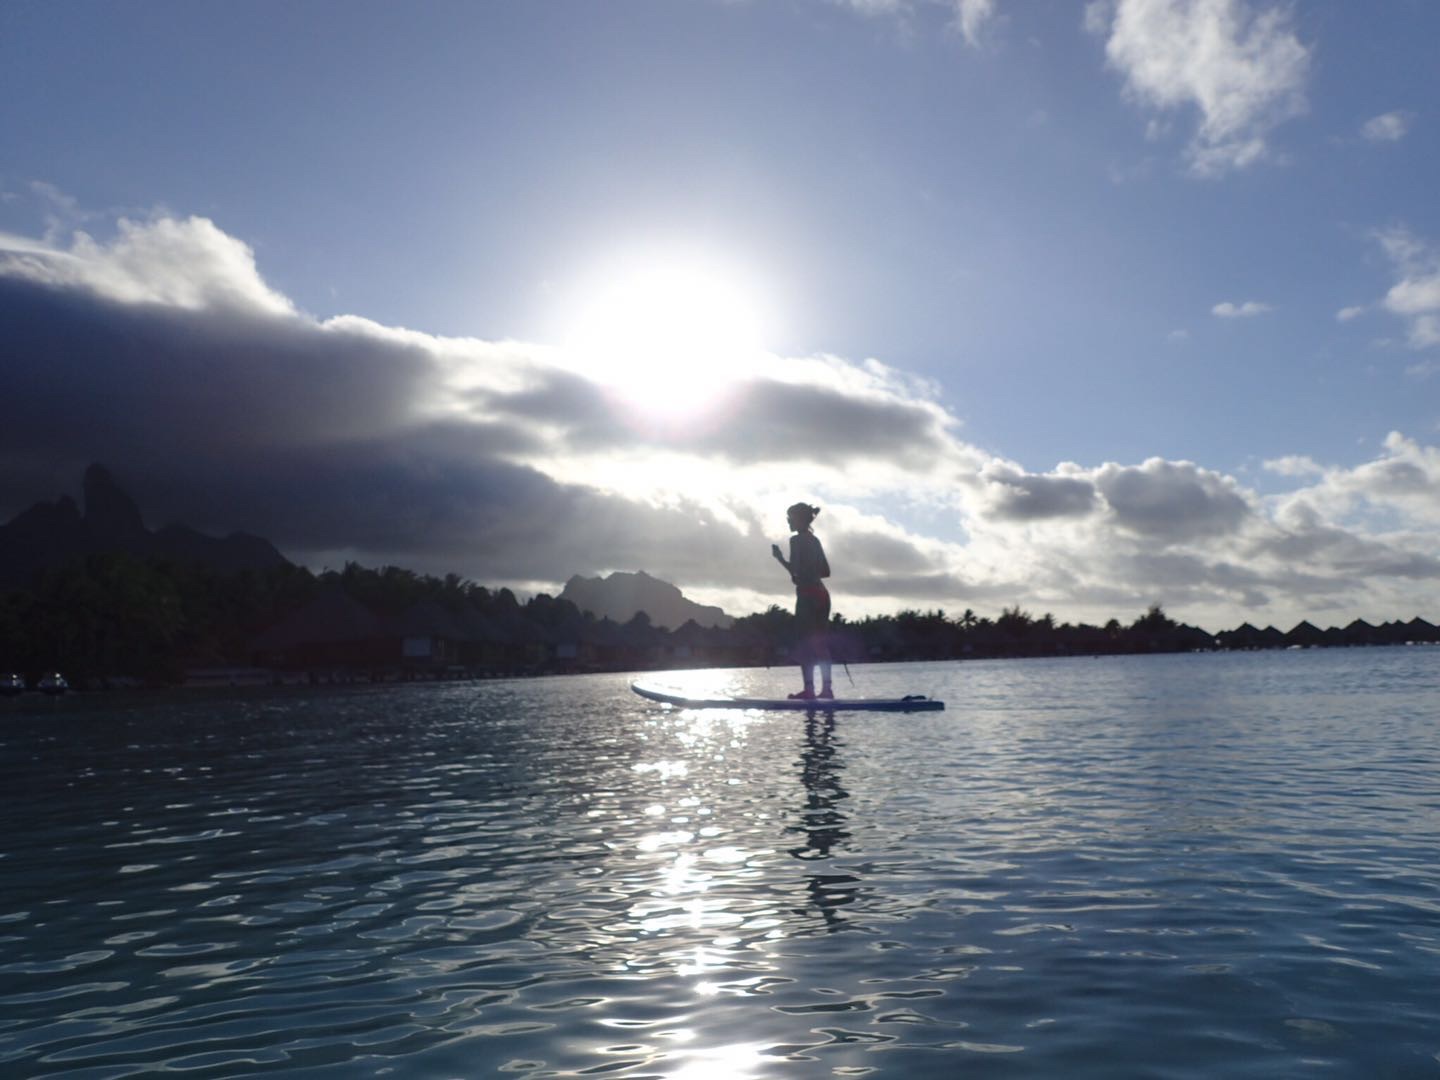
(1141, 289)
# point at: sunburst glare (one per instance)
(667, 333)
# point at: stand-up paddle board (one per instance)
(913, 703)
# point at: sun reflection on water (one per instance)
(733, 1062)
(726, 839)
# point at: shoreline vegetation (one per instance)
(117, 621)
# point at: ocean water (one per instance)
(1179, 866)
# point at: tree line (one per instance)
(108, 615)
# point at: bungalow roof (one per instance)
(1305, 632)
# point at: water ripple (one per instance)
(1162, 866)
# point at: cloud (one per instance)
(1240, 66)
(326, 440)
(1346, 314)
(163, 353)
(1405, 476)
(756, 420)
(1343, 559)
(1351, 541)
(187, 264)
(876, 7)
(1247, 309)
(1387, 127)
(1369, 526)
(968, 17)
(1172, 500)
(1294, 465)
(1415, 296)
(1013, 495)
(971, 16)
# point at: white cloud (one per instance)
(1294, 465)
(1416, 295)
(876, 7)
(62, 212)
(1403, 480)
(971, 16)
(187, 263)
(1425, 331)
(1247, 309)
(1405, 249)
(1345, 314)
(15, 246)
(968, 17)
(1098, 15)
(1242, 68)
(1387, 127)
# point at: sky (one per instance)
(1080, 307)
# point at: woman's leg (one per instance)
(821, 650)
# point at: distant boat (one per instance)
(53, 684)
(11, 685)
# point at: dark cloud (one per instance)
(94, 378)
(1346, 557)
(316, 438)
(1171, 500)
(756, 421)
(312, 436)
(778, 421)
(562, 398)
(1302, 536)
(350, 440)
(1018, 496)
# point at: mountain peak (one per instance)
(51, 533)
(109, 511)
(622, 594)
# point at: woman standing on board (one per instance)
(807, 566)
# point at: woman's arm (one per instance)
(775, 550)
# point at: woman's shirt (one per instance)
(807, 559)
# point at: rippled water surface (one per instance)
(1187, 866)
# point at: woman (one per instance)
(807, 566)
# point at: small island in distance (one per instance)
(97, 595)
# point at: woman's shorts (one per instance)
(812, 609)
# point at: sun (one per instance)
(666, 333)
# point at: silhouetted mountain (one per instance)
(52, 533)
(238, 551)
(49, 532)
(111, 515)
(621, 595)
